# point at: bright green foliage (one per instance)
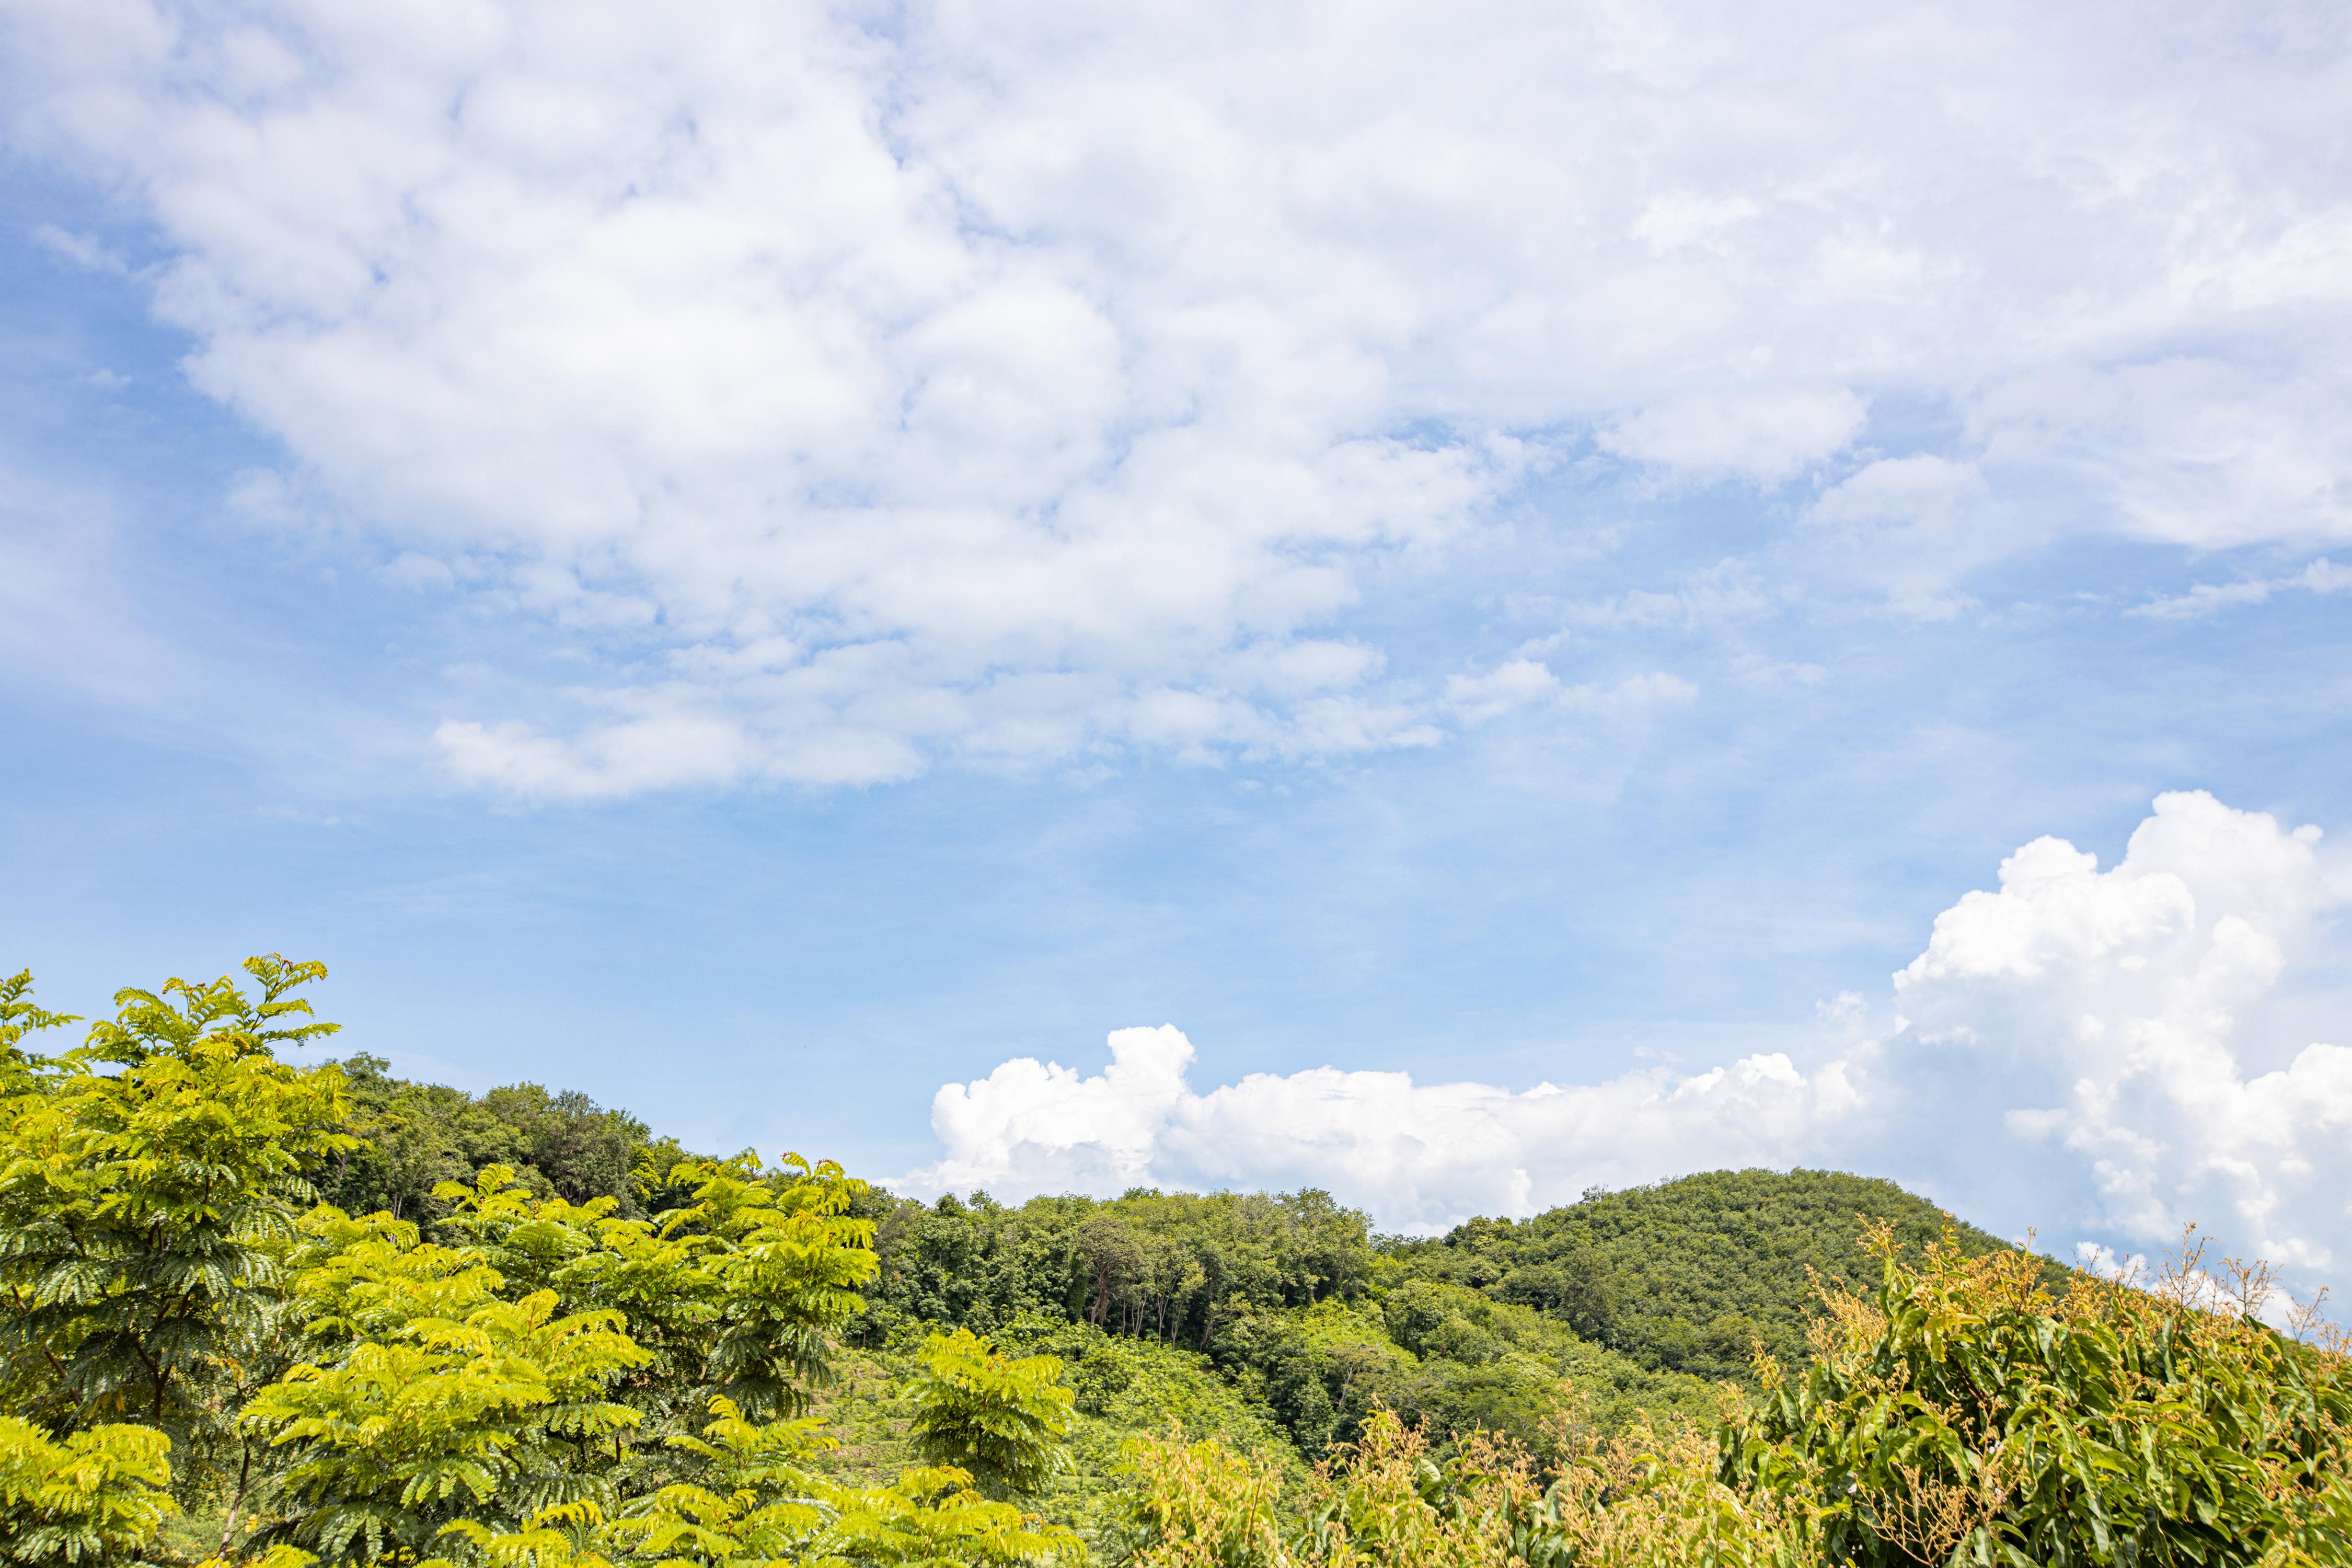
(444, 1403)
(19, 1018)
(1965, 1414)
(141, 1209)
(738, 1294)
(94, 1497)
(750, 1501)
(1204, 1504)
(1003, 1420)
(526, 1364)
(931, 1517)
(1124, 1388)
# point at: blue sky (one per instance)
(763, 570)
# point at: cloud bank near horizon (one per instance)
(2101, 1036)
(835, 391)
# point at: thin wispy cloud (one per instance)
(2322, 576)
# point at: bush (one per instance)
(1965, 1412)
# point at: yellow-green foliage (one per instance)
(1003, 1419)
(476, 1407)
(97, 1496)
(1964, 1412)
(1645, 1498)
(1124, 1387)
(485, 1383)
(747, 1498)
(147, 1182)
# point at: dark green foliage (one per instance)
(1275, 1293)
(1472, 1330)
(1687, 1275)
(418, 1135)
(1223, 1273)
(1174, 1266)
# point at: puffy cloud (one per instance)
(2122, 1014)
(1421, 1156)
(2082, 1050)
(1021, 371)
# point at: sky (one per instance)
(1449, 604)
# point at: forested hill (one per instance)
(763, 1363)
(1690, 1273)
(1290, 1303)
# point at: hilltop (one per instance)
(1278, 1321)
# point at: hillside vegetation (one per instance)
(1290, 1299)
(268, 1313)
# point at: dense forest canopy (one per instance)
(280, 1313)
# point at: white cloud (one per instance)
(2206, 599)
(1912, 526)
(77, 249)
(2123, 1015)
(2091, 1048)
(1763, 436)
(1522, 684)
(1719, 596)
(1030, 374)
(1421, 1156)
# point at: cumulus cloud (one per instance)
(2096, 1040)
(2122, 1014)
(1421, 1156)
(1039, 378)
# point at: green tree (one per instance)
(444, 1402)
(543, 1355)
(149, 1181)
(1003, 1421)
(415, 1136)
(94, 1497)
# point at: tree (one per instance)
(1003, 1421)
(93, 1497)
(445, 1403)
(149, 1181)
